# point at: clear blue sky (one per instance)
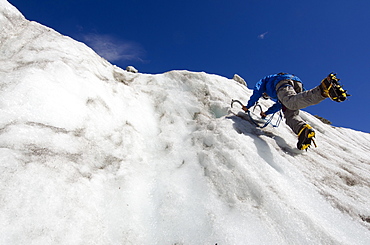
(252, 38)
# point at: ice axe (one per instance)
(237, 101)
(254, 121)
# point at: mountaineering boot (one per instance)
(331, 88)
(305, 136)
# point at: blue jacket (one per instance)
(268, 85)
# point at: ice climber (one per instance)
(288, 91)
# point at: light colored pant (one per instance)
(293, 99)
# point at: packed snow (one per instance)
(93, 154)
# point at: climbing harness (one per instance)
(267, 122)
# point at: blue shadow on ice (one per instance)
(247, 128)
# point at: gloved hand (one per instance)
(263, 115)
(245, 108)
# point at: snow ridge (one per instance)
(92, 154)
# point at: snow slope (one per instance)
(92, 154)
